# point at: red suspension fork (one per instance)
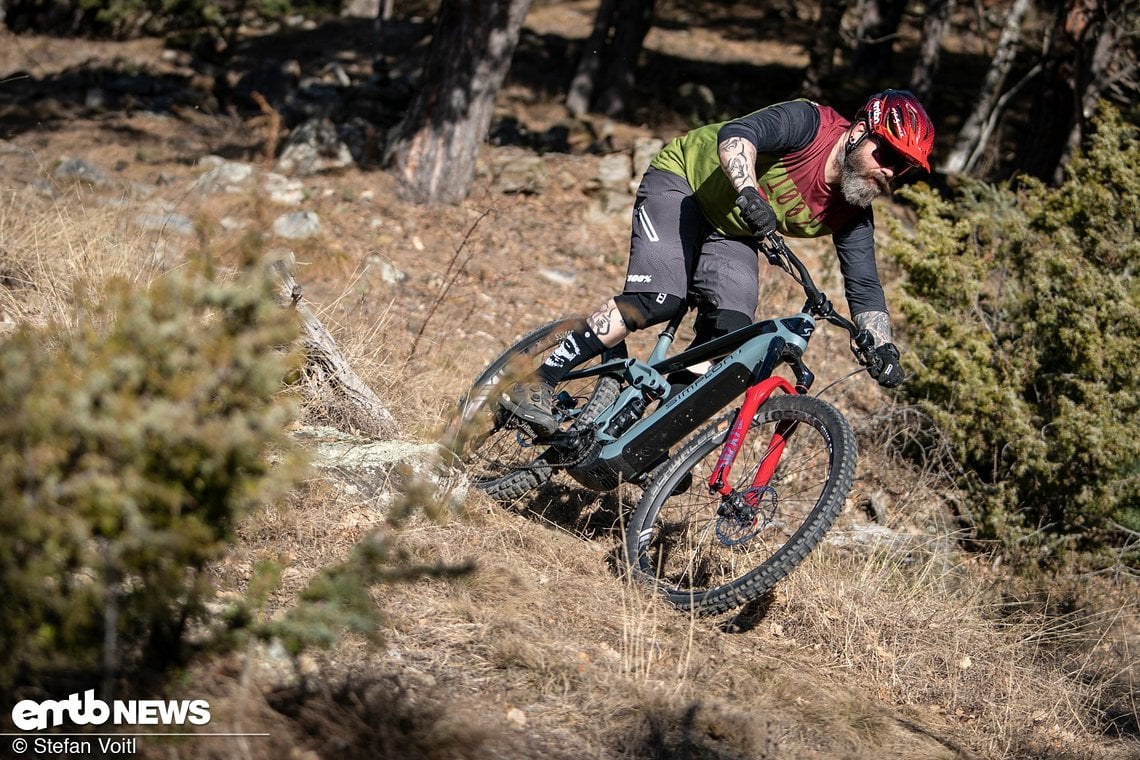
(753, 398)
(772, 454)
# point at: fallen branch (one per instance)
(327, 367)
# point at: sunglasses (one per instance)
(889, 158)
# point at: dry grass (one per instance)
(925, 631)
(547, 650)
(54, 250)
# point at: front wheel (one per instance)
(708, 552)
(503, 456)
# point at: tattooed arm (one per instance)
(738, 160)
(776, 130)
(878, 323)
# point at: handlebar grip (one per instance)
(863, 343)
(864, 340)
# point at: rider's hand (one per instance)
(883, 365)
(757, 214)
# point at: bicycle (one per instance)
(741, 503)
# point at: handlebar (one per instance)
(817, 303)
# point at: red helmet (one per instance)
(898, 117)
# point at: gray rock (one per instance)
(388, 272)
(361, 9)
(177, 224)
(224, 176)
(644, 149)
(558, 277)
(297, 225)
(696, 100)
(515, 171)
(614, 176)
(615, 171)
(82, 171)
(386, 471)
(283, 190)
(312, 148)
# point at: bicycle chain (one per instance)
(519, 426)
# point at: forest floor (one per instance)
(893, 643)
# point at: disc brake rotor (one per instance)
(743, 515)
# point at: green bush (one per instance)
(1022, 310)
(128, 449)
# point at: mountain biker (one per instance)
(709, 195)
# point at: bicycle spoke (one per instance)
(706, 550)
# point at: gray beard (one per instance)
(857, 191)
(855, 184)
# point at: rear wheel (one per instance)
(503, 455)
(709, 552)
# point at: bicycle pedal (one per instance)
(565, 401)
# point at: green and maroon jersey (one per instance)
(793, 141)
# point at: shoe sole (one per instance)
(547, 425)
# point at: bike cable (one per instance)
(834, 383)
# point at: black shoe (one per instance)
(533, 402)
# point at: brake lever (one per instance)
(820, 305)
(771, 249)
(864, 341)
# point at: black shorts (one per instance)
(674, 249)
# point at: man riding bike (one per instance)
(711, 194)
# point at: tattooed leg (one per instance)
(601, 330)
(608, 324)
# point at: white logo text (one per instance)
(29, 715)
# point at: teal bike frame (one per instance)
(620, 442)
(747, 360)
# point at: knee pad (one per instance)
(641, 310)
(718, 322)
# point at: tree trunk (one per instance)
(329, 379)
(821, 61)
(590, 62)
(1075, 72)
(631, 23)
(1051, 115)
(609, 58)
(930, 48)
(878, 25)
(1102, 50)
(979, 125)
(438, 141)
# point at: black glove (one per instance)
(758, 215)
(883, 365)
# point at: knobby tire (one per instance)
(676, 541)
(495, 448)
